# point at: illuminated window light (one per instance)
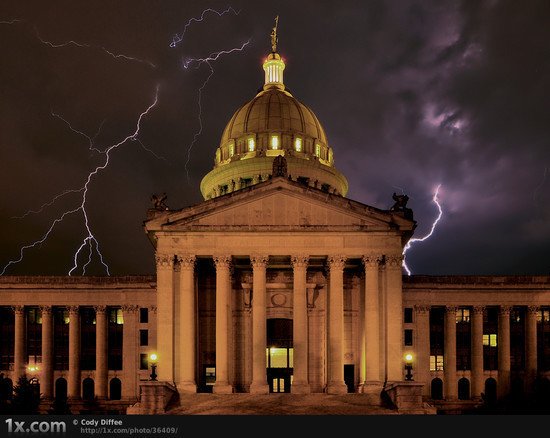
(318, 150)
(298, 144)
(231, 150)
(274, 142)
(251, 145)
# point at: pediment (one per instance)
(279, 205)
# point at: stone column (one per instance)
(531, 348)
(394, 318)
(259, 336)
(300, 382)
(223, 306)
(449, 354)
(74, 353)
(130, 351)
(371, 378)
(478, 381)
(503, 342)
(187, 315)
(19, 365)
(336, 384)
(46, 379)
(165, 317)
(421, 363)
(101, 356)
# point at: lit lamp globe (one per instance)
(153, 358)
(408, 366)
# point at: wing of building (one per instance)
(276, 282)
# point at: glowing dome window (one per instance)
(251, 145)
(298, 144)
(274, 142)
(231, 149)
(318, 150)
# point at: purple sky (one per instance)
(412, 94)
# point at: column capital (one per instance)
(533, 309)
(222, 261)
(336, 261)
(46, 310)
(422, 309)
(153, 309)
(451, 309)
(478, 309)
(18, 309)
(164, 261)
(100, 309)
(394, 261)
(130, 308)
(259, 260)
(73, 309)
(299, 260)
(372, 260)
(504, 310)
(186, 261)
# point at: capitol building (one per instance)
(277, 283)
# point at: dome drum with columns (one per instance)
(273, 123)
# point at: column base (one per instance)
(259, 388)
(337, 388)
(222, 388)
(300, 388)
(371, 387)
(187, 387)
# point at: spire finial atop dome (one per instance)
(274, 39)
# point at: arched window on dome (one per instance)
(298, 144)
(274, 142)
(251, 144)
(318, 150)
(231, 150)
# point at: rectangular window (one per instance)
(298, 144)
(436, 363)
(143, 337)
(543, 315)
(115, 338)
(144, 315)
(274, 142)
(463, 315)
(408, 315)
(7, 335)
(490, 340)
(61, 339)
(87, 338)
(251, 145)
(210, 375)
(408, 337)
(143, 361)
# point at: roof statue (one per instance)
(280, 166)
(159, 202)
(401, 205)
(274, 39)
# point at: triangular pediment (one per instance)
(279, 204)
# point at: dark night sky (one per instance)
(411, 94)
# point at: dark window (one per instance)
(143, 361)
(144, 315)
(88, 392)
(116, 324)
(34, 336)
(437, 318)
(60, 390)
(87, 338)
(464, 389)
(408, 315)
(144, 337)
(463, 339)
(7, 337)
(490, 338)
(408, 337)
(61, 338)
(437, 389)
(490, 391)
(115, 389)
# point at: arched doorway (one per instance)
(490, 390)
(35, 385)
(88, 392)
(115, 389)
(60, 390)
(279, 354)
(464, 389)
(437, 389)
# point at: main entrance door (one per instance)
(279, 354)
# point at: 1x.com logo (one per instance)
(36, 426)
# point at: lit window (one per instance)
(274, 142)
(490, 340)
(298, 144)
(318, 150)
(543, 315)
(436, 363)
(210, 375)
(251, 145)
(231, 150)
(218, 155)
(463, 315)
(115, 316)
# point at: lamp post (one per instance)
(153, 359)
(408, 366)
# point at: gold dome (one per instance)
(273, 123)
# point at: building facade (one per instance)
(276, 283)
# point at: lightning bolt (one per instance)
(91, 140)
(214, 56)
(427, 236)
(89, 240)
(178, 38)
(15, 20)
(90, 46)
